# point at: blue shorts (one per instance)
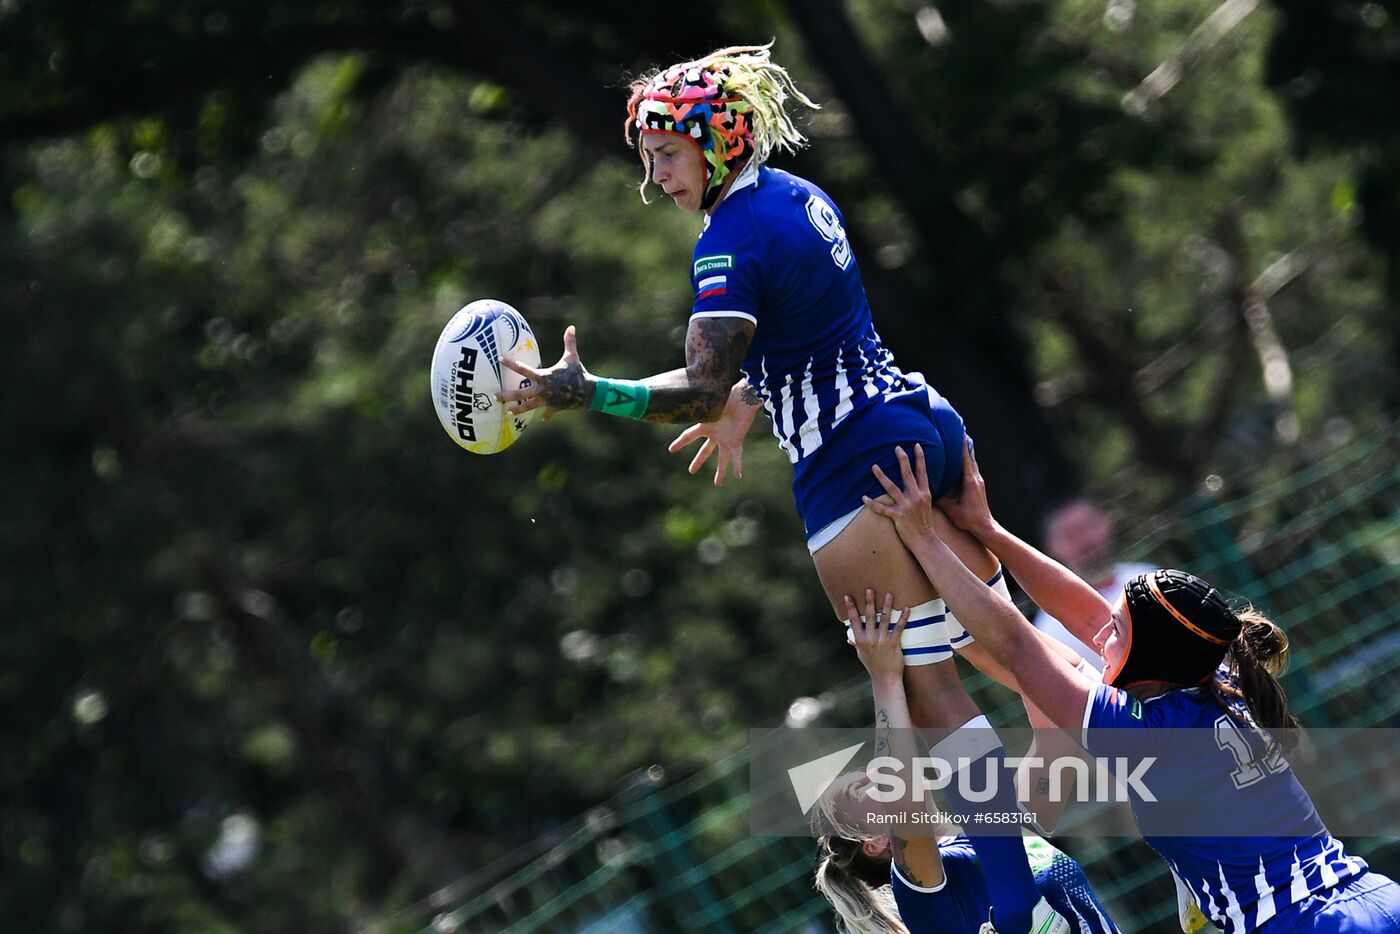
(1367, 903)
(830, 482)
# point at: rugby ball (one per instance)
(467, 373)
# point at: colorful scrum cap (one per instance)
(691, 100)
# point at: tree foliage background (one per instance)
(278, 656)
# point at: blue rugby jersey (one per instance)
(960, 905)
(775, 252)
(1272, 851)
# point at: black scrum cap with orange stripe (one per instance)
(1179, 629)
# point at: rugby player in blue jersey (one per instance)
(780, 322)
(1188, 680)
(865, 866)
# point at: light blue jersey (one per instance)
(775, 252)
(959, 906)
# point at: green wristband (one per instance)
(626, 398)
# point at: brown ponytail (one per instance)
(854, 884)
(1257, 656)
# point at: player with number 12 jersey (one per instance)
(1228, 815)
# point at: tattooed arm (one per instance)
(726, 432)
(714, 349)
(914, 850)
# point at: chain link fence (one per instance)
(1315, 546)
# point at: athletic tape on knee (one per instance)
(925, 639)
(958, 636)
(925, 626)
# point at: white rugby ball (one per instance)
(467, 373)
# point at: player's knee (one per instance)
(925, 645)
(998, 584)
(925, 642)
(958, 636)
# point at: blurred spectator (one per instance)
(1078, 535)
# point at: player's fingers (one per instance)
(853, 617)
(721, 467)
(570, 342)
(887, 483)
(529, 405)
(970, 465)
(966, 481)
(886, 614)
(686, 437)
(898, 632)
(906, 470)
(920, 469)
(879, 508)
(739, 462)
(549, 413)
(521, 368)
(702, 455)
(871, 619)
(514, 395)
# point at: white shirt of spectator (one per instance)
(1122, 573)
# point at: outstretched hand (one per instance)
(566, 385)
(726, 435)
(876, 635)
(911, 508)
(967, 508)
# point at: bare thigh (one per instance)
(869, 554)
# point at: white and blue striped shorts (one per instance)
(933, 633)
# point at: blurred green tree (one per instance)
(281, 656)
(1336, 65)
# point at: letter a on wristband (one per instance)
(626, 398)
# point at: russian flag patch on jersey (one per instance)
(711, 286)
